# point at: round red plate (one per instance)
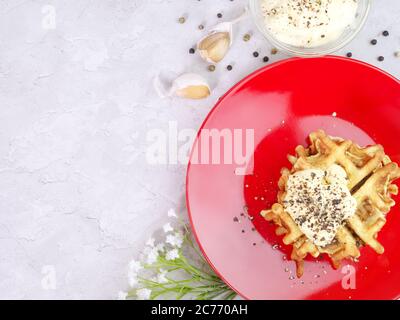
(283, 103)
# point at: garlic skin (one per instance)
(188, 86)
(215, 45)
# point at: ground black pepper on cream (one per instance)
(308, 23)
(319, 201)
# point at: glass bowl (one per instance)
(348, 34)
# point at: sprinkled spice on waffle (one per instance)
(319, 202)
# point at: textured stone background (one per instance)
(76, 102)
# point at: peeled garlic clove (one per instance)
(191, 86)
(194, 92)
(214, 47)
(188, 85)
(216, 44)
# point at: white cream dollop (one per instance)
(319, 201)
(308, 23)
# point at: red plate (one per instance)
(283, 103)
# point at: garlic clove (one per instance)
(214, 47)
(194, 92)
(223, 27)
(188, 86)
(216, 44)
(191, 86)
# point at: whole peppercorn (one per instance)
(192, 50)
(381, 58)
(182, 20)
(246, 37)
(385, 33)
(229, 67)
(266, 59)
(374, 42)
(349, 54)
(211, 68)
(255, 54)
(219, 15)
(274, 51)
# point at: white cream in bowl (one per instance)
(308, 23)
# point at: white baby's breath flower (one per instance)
(175, 240)
(135, 266)
(172, 213)
(167, 227)
(133, 280)
(162, 277)
(172, 254)
(152, 256)
(145, 251)
(143, 294)
(150, 242)
(122, 295)
(160, 247)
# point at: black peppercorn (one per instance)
(229, 67)
(192, 51)
(381, 58)
(255, 54)
(374, 42)
(385, 33)
(266, 59)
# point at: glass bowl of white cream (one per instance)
(309, 28)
